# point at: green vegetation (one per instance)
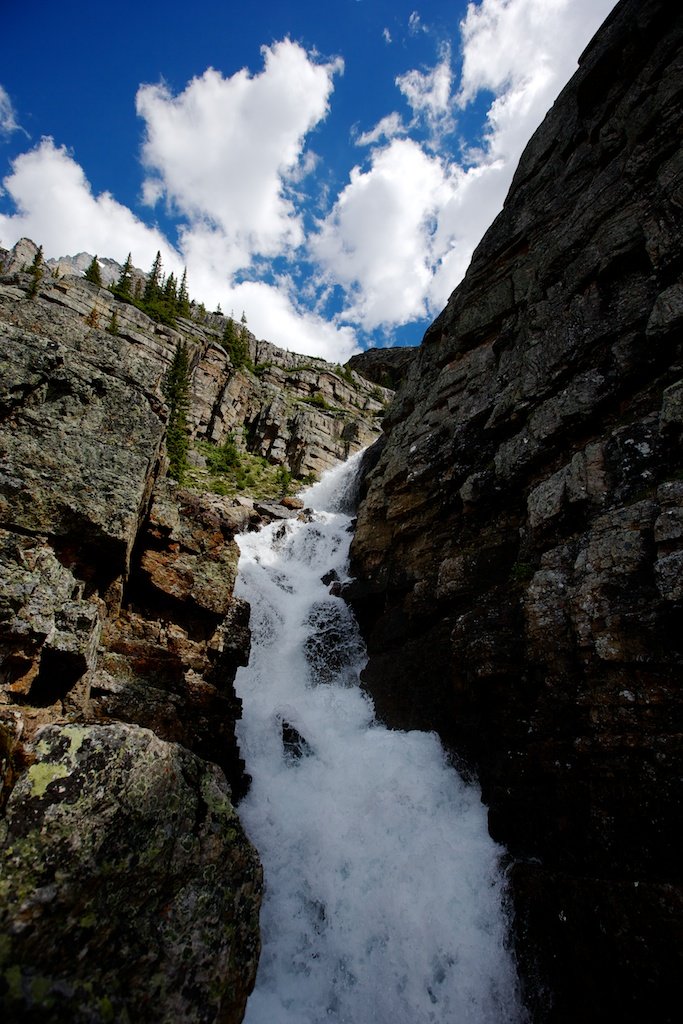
(93, 273)
(230, 471)
(235, 341)
(319, 402)
(176, 392)
(36, 272)
(161, 298)
(113, 327)
(225, 458)
(346, 374)
(284, 480)
(123, 289)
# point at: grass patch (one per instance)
(232, 472)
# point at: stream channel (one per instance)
(385, 899)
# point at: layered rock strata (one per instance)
(296, 411)
(519, 552)
(128, 890)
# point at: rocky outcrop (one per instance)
(385, 366)
(296, 411)
(111, 908)
(519, 550)
(128, 890)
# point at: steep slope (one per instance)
(519, 551)
(129, 889)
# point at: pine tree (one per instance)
(153, 284)
(123, 286)
(177, 393)
(234, 344)
(183, 297)
(93, 273)
(36, 272)
(113, 327)
(171, 291)
(244, 336)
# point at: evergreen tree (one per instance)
(234, 344)
(171, 291)
(183, 297)
(113, 327)
(36, 272)
(244, 336)
(177, 393)
(153, 284)
(93, 273)
(123, 286)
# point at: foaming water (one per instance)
(384, 898)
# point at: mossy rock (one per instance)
(128, 890)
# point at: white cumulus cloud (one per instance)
(225, 151)
(401, 234)
(272, 314)
(375, 243)
(387, 128)
(56, 207)
(429, 93)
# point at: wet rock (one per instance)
(333, 649)
(293, 743)
(117, 616)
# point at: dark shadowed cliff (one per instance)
(519, 552)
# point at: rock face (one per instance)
(125, 863)
(385, 366)
(128, 889)
(519, 550)
(296, 411)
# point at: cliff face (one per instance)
(519, 551)
(128, 888)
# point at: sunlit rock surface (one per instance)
(518, 554)
(128, 889)
(124, 867)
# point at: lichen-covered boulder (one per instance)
(128, 890)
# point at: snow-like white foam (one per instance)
(384, 896)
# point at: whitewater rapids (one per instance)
(384, 899)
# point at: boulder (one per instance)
(128, 885)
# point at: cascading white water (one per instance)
(384, 898)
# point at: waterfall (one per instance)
(384, 898)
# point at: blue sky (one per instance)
(327, 167)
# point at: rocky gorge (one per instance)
(519, 550)
(129, 890)
(517, 578)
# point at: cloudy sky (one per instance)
(328, 167)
